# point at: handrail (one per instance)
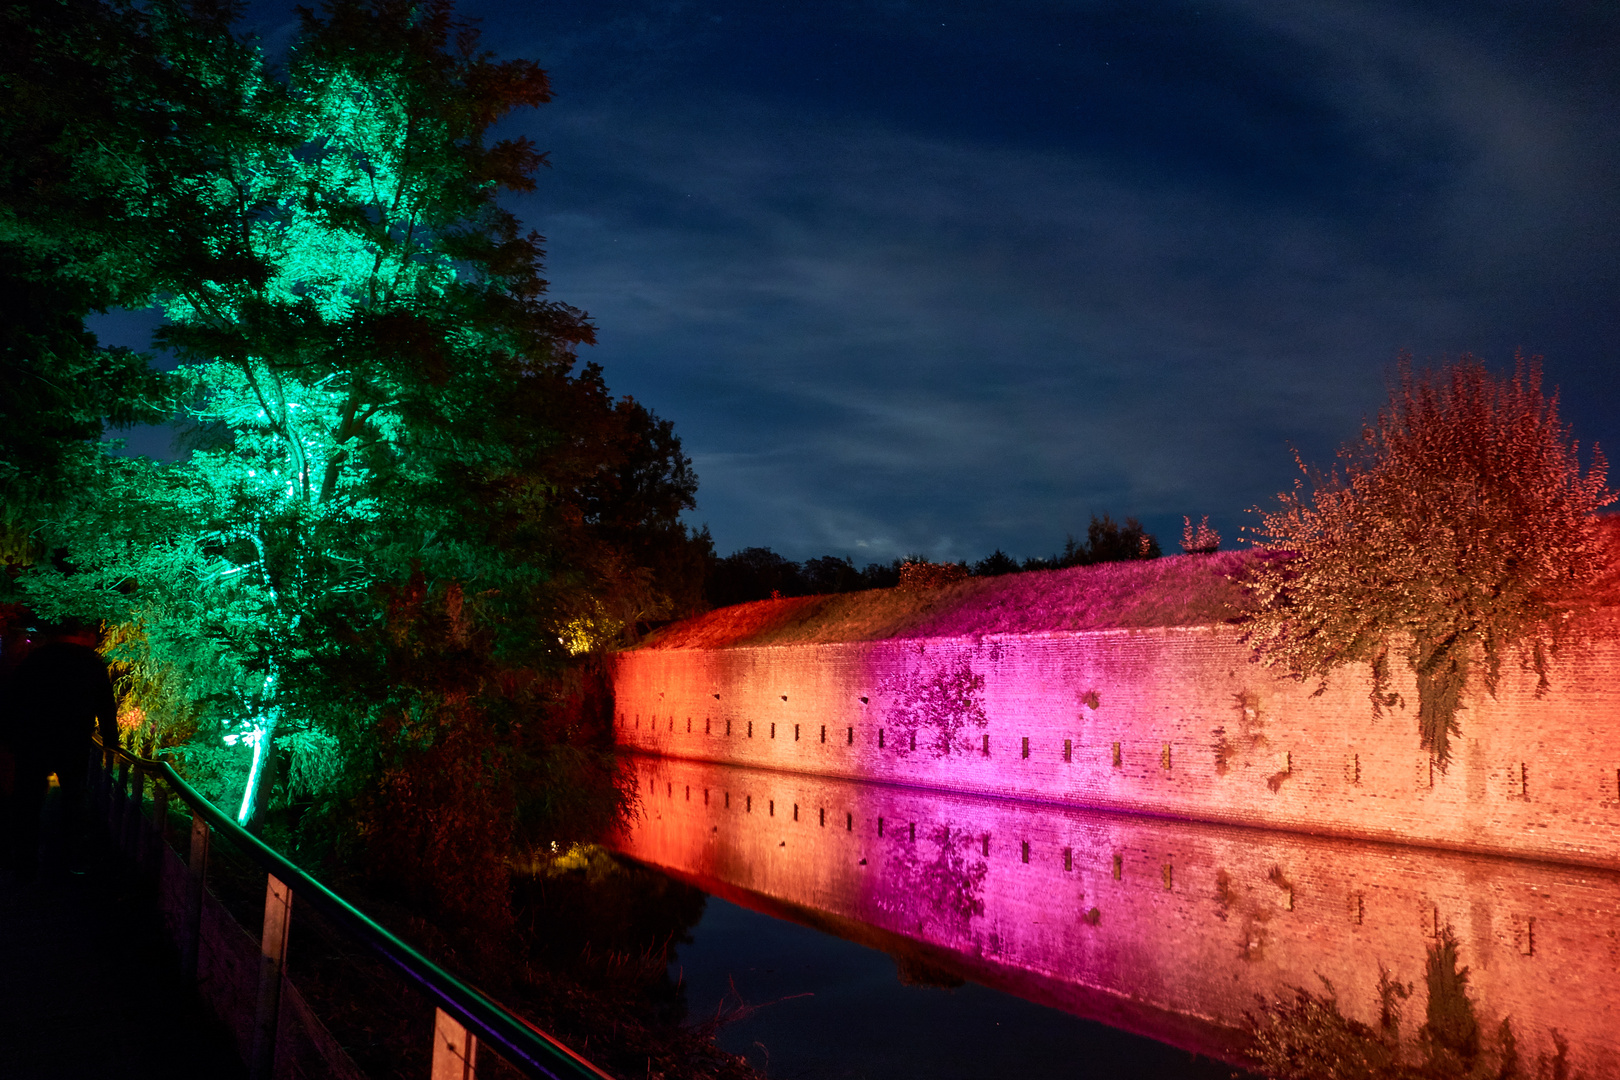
(530, 1050)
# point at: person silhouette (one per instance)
(58, 694)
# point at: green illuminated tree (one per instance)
(1460, 526)
(379, 392)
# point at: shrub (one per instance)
(1460, 525)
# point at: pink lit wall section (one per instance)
(1166, 927)
(1172, 721)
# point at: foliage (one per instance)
(58, 386)
(941, 702)
(758, 573)
(383, 403)
(1305, 1035)
(921, 576)
(1109, 541)
(1200, 541)
(995, 564)
(1459, 526)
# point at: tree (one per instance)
(995, 564)
(383, 399)
(1460, 525)
(1202, 540)
(61, 180)
(1108, 541)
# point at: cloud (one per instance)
(907, 287)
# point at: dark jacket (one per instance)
(57, 697)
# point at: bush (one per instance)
(1459, 526)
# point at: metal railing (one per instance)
(464, 1019)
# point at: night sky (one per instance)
(938, 278)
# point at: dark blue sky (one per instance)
(943, 277)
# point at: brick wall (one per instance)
(1174, 721)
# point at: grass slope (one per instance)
(1181, 590)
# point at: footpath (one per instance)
(89, 989)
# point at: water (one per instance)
(1087, 943)
(829, 1009)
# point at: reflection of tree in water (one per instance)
(941, 704)
(1306, 1037)
(611, 925)
(943, 893)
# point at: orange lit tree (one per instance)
(1459, 527)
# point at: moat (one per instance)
(1165, 931)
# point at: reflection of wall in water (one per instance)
(1169, 918)
(1173, 721)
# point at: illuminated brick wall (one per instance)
(1165, 927)
(1171, 721)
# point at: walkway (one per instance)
(88, 988)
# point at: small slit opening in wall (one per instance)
(1116, 755)
(1358, 908)
(773, 729)
(880, 738)
(880, 826)
(913, 832)
(823, 732)
(795, 811)
(795, 732)
(1119, 867)
(706, 730)
(1524, 781)
(1025, 753)
(987, 746)
(1068, 858)
(772, 807)
(750, 729)
(1068, 749)
(986, 848)
(914, 740)
(688, 792)
(689, 725)
(669, 790)
(705, 796)
(672, 723)
(728, 727)
(728, 800)
(638, 721)
(1023, 855)
(823, 817)
(1167, 875)
(1164, 757)
(851, 739)
(749, 807)
(849, 822)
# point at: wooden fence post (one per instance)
(160, 825)
(191, 931)
(120, 799)
(129, 837)
(455, 1049)
(272, 962)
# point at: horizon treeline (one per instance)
(758, 573)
